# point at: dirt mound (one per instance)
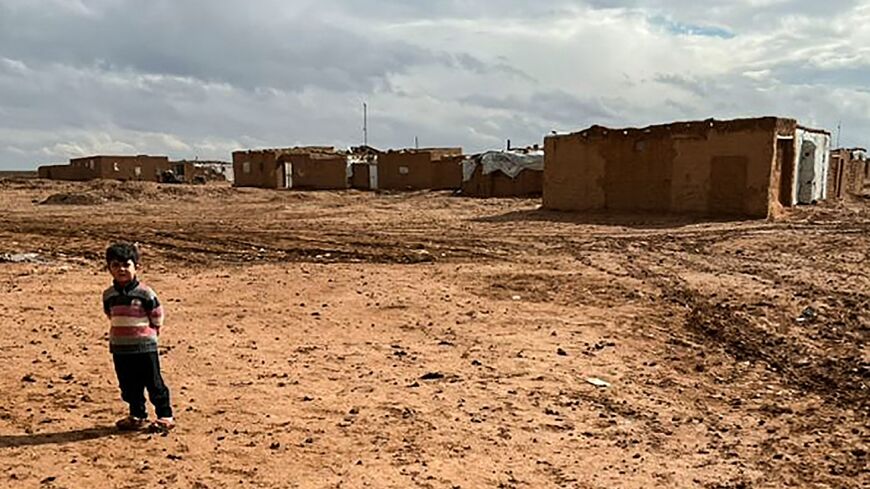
(73, 198)
(102, 191)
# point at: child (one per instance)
(136, 316)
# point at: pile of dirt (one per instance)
(98, 192)
(73, 198)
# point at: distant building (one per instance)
(744, 167)
(419, 169)
(849, 171)
(317, 171)
(363, 161)
(141, 167)
(270, 168)
(513, 173)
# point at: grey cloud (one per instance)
(203, 76)
(195, 39)
(691, 85)
(558, 107)
(743, 16)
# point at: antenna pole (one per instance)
(365, 124)
(839, 130)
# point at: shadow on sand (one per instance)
(57, 438)
(629, 220)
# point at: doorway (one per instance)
(287, 174)
(806, 172)
(785, 162)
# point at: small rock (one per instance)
(598, 382)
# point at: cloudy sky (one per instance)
(201, 78)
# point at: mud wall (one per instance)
(256, 169)
(528, 183)
(405, 170)
(708, 167)
(836, 176)
(846, 174)
(319, 172)
(441, 153)
(66, 172)
(447, 173)
(142, 168)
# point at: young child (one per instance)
(136, 317)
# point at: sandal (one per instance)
(131, 423)
(162, 425)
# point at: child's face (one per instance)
(122, 272)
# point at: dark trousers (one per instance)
(136, 373)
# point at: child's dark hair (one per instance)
(122, 252)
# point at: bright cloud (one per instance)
(203, 78)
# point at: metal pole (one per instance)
(839, 130)
(365, 124)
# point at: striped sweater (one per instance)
(136, 316)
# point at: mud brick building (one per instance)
(504, 174)
(744, 167)
(419, 169)
(849, 170)
(141, 167)
(317, 171)
(270, 168)
(363, 162)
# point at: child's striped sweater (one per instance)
(136, 316)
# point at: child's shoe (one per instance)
(131, 423)
(162, 425)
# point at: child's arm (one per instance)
(156, 315)
(106, 309)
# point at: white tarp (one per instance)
(511, 164)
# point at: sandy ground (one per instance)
(344, 340)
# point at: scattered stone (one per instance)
(807, 315)
(19, 258)
(561, 352)
(598, 382)
(432, 376)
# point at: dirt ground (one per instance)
(348, 339)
